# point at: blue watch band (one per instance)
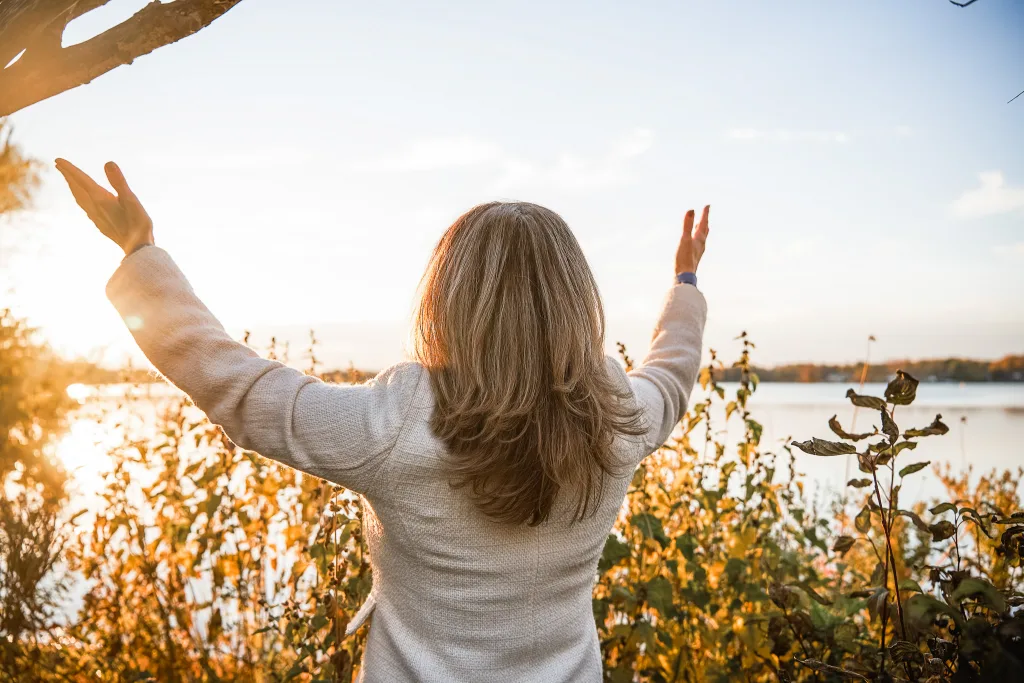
(686, 278)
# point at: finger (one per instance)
(82, 197)
(95, 211)
(688, 225)
(83, 179)
(702, 227)
(118, 181)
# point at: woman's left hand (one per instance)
(120, 217)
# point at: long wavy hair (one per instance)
(511, 329)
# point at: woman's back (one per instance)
(459, 596)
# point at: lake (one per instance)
(986, 423)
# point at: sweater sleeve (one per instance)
(339, 433)
(663, 382)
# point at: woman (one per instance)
(491, 469)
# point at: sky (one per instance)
(301, 159)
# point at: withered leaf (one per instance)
(865, 401)
(889, 427)
(825, 448)
(902, 390)
(936, 428)
(838, 430)
(843, 544)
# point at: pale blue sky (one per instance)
(300, 159)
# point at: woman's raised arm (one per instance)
(663, 381)
(339, 433)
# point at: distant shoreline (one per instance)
(1006, 369)
(942, 370)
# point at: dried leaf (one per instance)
(936, 428)
(889, 427)
(865, 401)
(904, 651)
(843, 544)
(825, 448)
(942, 530)
(863, 520)
(837, 429)
(902, 390)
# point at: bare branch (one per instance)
(46, 69)
(1016, 96)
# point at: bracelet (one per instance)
(686, 278)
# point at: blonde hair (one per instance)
(511, 328)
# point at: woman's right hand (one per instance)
(120, 217)
(691, 246)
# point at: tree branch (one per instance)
(46, 69)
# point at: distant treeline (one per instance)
(1008, 369)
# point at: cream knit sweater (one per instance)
(456, 596)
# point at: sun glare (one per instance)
(84, 452)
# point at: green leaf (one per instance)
(813, 594)
(902, 446)
(734, 568)
(859, 483)
(915, 518)
(833, 424)
(942, 507)
(865, 401)
(902, 390)
(614, 551)
(910, 585)
(863, 520)
(212, 503)
(916, 467)
(843, 544)
(936, 428)
(650, 526)
(686, 544)
(825, 448)
(659, 595)
(921, 609)
(981, 590)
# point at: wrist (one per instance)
(133, 247)
(686, 277)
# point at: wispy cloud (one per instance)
(1016, 250)
(784, 135)
(565, 171)
(572, 172)
(433, 154)
(993, 197)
